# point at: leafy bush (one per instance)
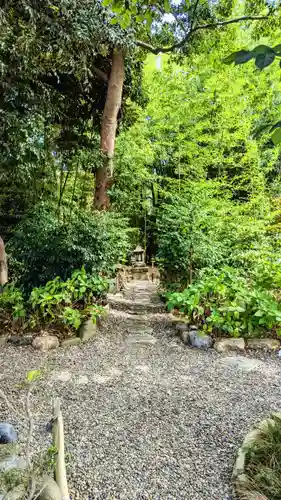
(225, 301)
(45, 247)
(12, 305)
(68, 302)
(63, 304)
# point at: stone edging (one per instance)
(224, 344)
(86, 331)
(239, 477)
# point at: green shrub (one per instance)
(62, 304)
(44, 247)
(267, 274)
(12, 304)
(67, 302)
(225, 301)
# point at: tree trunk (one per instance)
(3, 264)
(108, 130)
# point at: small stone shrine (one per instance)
(138, 269)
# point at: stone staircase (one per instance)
(139, 313)
(139, 298)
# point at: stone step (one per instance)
(134, 306)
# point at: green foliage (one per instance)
(263, 55)
(71, 317)
(61, 304)
(12, 303)
(188, 232)
(226, 301)
(205, 228)
(48, 247)
(67, 302)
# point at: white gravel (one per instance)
(144, 420)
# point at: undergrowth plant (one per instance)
(228, 302)
(64, 304)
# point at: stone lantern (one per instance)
(138, 258)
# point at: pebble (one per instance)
(200, 340)
(7, 433)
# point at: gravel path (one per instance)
(150, 420)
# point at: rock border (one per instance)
(239, 477)
(87, 331)
(225, 344)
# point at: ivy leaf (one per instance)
(264, 60)
(262, 49)
(276, 137)
(106, 3)
(32, 375)
(240, 57)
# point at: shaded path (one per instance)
(146, 420)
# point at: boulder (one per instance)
(7, 433)
(88, 330)
(228, 344)
(181, 327)
(193, 327)
(266, 344)
(45, 343)
(199, 340)
(184, 335)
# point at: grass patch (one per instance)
(263, 463)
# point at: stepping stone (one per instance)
(140, 331)
(82, 380)
(101, 379)
(246, 364)
(142, 368)
(141, 339)
(61, 377)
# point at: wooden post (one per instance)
(58, 441)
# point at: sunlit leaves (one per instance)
(276, 136)
(239, 57)
(263, 55)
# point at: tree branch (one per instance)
(181, 43)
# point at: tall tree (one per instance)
(81, 50)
